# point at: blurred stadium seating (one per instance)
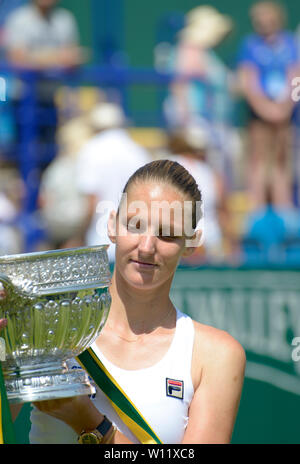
(272, 387)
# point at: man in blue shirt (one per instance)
(267, 63)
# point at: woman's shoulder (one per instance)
(215, 352)
(211, 338)
(215, 347)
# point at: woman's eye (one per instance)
(136, 227)
(167, 234)
(168, 238)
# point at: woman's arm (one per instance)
(14, 408)
(80, 414)
(190, 64)
(250, 88)
(216, 400)
(64, 57)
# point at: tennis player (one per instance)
(185, 378)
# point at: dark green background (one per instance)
(132, 25)
(136, 23)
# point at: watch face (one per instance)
(89, 438)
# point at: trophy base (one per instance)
(30, 385)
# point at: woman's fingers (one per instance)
(51, 406)
(3, 323)
(2, 292)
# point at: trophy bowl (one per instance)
(56, 303)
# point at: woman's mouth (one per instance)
(144, 264)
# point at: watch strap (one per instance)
(104, 426)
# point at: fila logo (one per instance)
(174, 388)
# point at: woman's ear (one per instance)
(192, 243)
(112, 226)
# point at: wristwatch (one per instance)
(95, 437)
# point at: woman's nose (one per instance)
(147, 243)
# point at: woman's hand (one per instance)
(78, 412)
(272, 112)
(14, 408)
(2, 292)
(3, 322)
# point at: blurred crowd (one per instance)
(84, 148)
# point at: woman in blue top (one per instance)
(267, 63)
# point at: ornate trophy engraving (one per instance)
(56, 303)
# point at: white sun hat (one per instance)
(196, 137)
(205, 27)
(107, 116)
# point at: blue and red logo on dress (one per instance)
(174, 388)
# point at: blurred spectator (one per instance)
(202, 92)
(270, 232)
(296, 127)
(104, 165)
(42, 36)
(63, 208)
(189, 148)
(39, 36)
(10, 199)
(267, 62)
(7, 123)
(6, 7)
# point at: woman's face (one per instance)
(150, 234)
(46, 4)
(266, 19)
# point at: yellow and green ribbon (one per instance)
(7, 433)
(118, 398)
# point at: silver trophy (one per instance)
(55, 303)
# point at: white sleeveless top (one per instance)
(162, 393)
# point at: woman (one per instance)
(202, 90)
(267, 62)
(146, 341)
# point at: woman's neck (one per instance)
(44, 12)
(139, 311)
